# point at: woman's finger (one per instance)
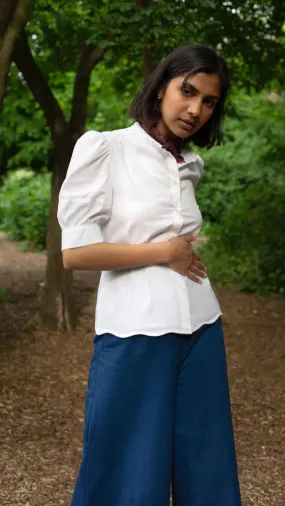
(199, 272)
(194, 278)
(199, 265)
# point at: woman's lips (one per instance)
(187, 124)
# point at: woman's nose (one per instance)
(195, 106)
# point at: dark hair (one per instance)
(191, 59)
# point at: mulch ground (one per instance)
(43, 376)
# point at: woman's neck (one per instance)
(178, 142)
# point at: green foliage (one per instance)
(110, 95)
(247, 248)
(24, 206)
(25, 141)
(254, 152)
(248, 33)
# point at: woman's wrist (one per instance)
(164, 252)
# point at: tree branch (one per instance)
(11, 27)
(7, 9)
(88, 59)
(39, 87)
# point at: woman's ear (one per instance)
(160, 93)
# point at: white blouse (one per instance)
(123, 187)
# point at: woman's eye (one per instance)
(187, 92)
(209, 103)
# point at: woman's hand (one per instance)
(184, 259)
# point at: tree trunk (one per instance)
(147, 51)
(13, 18)
(148, 62)
(88, 58)
(59, 310)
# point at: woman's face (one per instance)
(186, 109)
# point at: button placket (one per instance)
(176, 194)
(174, 175)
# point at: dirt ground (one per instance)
(43, 376)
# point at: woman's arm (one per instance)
(107, 256)
(177, 253)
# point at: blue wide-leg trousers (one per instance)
(158, 411)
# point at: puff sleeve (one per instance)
(85, 198)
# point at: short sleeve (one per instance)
(85, 198)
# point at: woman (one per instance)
(157, 404)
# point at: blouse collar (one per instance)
(187, 155)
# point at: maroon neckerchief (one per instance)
(165, 143)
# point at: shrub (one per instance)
(247, 248)
(254, 153)
(24, 206)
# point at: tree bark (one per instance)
(13, 18)
(7, 8)
(58, 310)
(148, 62)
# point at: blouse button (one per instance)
(178, 211)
